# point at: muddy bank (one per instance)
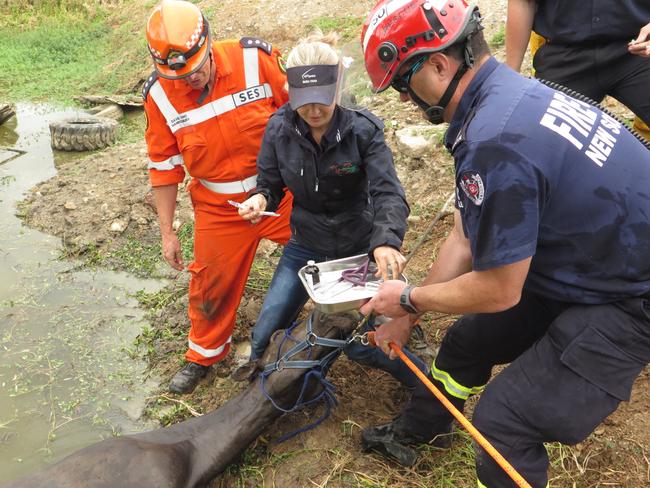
(99, 204)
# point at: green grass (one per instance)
(56, 60)
(138, 258)
(498, 39)
(131, 128)
(347, 26)
(186, 238)
(134, 256)
(58, 49)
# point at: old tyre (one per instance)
(83, 133)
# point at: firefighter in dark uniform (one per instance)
(549, 258)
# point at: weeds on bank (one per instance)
(56, 49)
(261, 272)
(498, 39)
(131, 128)
(344, 466)
(51, 60)
(347, 26)
(137, 257)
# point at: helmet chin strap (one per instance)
(434, 113)
(206, 88)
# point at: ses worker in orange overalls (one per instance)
(207, 105)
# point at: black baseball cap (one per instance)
(316, 83)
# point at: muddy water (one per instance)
(67, 375)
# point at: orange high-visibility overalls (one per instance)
(217, 142)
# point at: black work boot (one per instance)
(246, 372)
(187, 378)
(392, 440)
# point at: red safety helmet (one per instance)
(397, 30)
(178, 37)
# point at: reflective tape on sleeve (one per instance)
(159, 96)
(167, 164)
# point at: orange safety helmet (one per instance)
(178, 37)
(397, 30)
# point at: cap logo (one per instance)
(308, 77)
(306, 74)
(312, 84)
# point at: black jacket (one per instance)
(347, 197)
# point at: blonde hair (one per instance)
(316, 48)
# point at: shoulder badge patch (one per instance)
(472, 185)
(282, 64)
(256, 42)
(148, 84)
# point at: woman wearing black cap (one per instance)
(347, 197)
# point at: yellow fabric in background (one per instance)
(537, 41)
(642, 128)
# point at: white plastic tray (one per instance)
(332, 295)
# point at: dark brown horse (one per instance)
(190, 453)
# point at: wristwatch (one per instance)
(405, 300)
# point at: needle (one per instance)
(240, 205)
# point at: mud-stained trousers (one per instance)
(224, 249)
(571, 365)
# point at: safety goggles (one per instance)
(401, 83)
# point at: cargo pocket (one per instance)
(193, 146)
(598, 360)
(197, 290)
(254, 116)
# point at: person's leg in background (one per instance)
(622, 75)
(223, 254)
(627, 78)
(574, 67)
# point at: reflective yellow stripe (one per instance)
(451, 386)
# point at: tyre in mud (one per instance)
(83, 133)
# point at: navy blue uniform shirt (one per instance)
(541, 174)
(572, 21)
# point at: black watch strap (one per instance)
(405, 300)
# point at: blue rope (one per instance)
(328, 393)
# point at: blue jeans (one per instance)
(285, 299)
